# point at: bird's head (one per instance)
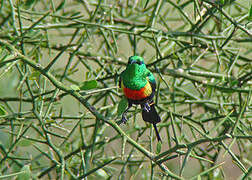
(136, 60)
(134, 76)
(136, 64)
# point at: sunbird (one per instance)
(138, 85)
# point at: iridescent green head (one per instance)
(136, 59)
(136, 66)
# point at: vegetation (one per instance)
(60, 101)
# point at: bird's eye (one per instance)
(139, 62)
(132, 61)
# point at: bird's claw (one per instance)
(146, 107)
(124, 119)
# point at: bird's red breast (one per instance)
(137, 94)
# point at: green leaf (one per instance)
(123, 104)
(87, 85)
(29, 3)
(222, 1)
(75, 87)
(26, 173)
(234, 82)
(2, 111)
(61, 5)
(34, 75)
(250, 13)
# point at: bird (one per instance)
(138, 85)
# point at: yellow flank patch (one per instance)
(147, 89)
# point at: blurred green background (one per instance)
(59, 70)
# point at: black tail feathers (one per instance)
(152, 117)
(157, 133)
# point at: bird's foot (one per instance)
(124, 119)
(146, 107)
